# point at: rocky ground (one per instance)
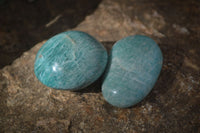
(172, 106)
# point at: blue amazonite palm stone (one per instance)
(70, 60)
(134, 66)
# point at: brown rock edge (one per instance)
(172, 106)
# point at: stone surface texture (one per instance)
(70, 60)
(134, 66)
(172, 106)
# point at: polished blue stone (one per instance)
(70, 60)
(134, 66)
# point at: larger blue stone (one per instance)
(135, 64)
(70, 60)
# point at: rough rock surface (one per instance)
(172, 106)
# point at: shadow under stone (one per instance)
(96, 86)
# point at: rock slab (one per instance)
(27, 105)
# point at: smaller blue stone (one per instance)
(70, 60)
(134, 66)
